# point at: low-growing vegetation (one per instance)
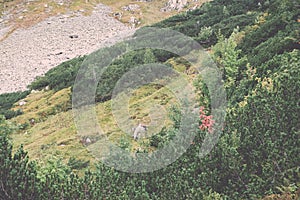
(256, 46)
(8, 100)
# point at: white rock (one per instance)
(88, 141)
(174, 5)
(34, 91)
(140, 129)
(131, 7)
(22, 103)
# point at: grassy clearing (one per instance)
(54, 132)
(42, 104)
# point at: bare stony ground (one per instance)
(31, 52)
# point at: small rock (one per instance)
(137, 131)
(195, 7)
(34, 91)
(118, 15)
(59, 53)
(32, 122)
(88, 141)
(22, 102)
(73, 36)
(133, 21)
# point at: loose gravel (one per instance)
(28, 53)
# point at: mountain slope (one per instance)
(256, 156)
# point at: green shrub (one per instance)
(79, 164)
(17, 173)
(7, 100)
(62, 76)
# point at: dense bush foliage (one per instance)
(165, 135)
(7, 100)
(118, 68)
(258, 151)
(261, 139)
(17, 174)
(60, 77)
(218, 15)
(74, 163)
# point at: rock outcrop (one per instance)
(131, 7)
(174, 5)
